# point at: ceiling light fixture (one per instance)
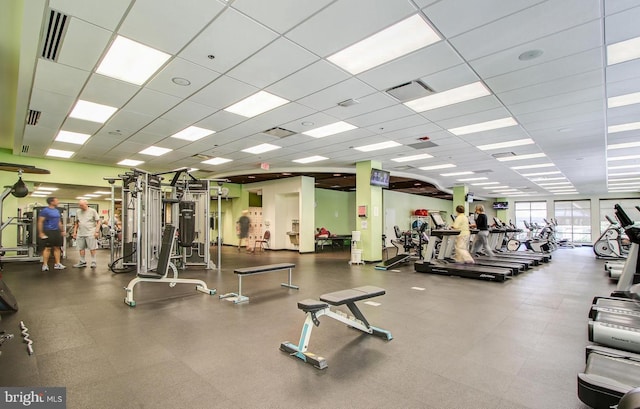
(509, 144)
(130, 162)
(551, 172)
(183, 82)
(377, 146)
(57, 153)
(554, 183)
(192, 133)
(622, 167)
(262, 148)
(627, 157)
(256, 104)
(155, 151)
(623, 180)
(130, 61)
(102, 192)
(631, 126)
(310, 159)
(471, 179)
(90, 111)
(468, 172)
(51, 189)
(331, 129)
(623, 51)
(412, 158)
(395, 41)
(536, 166)
(521, 157)
(623, 145)
(485, 183)
(530, 55)
(623, 100)
(495, 187)
(483, 126)
(624, 174)
(216, 161)
(543, 179)
(436, 167)
(72, 137)
(449, 97)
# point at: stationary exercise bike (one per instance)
(610, 244)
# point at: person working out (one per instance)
(50, 232)
(462, 240)
(482, 238)
(243, 229)
(86, 232)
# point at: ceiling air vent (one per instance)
(410, 90)
(503, 154)
(348, 102)
(422, 145)
(279, 132)
(483, 171)
(202, 156)
(25, 148)
(33, 117)
(405, 167)
(53, 35)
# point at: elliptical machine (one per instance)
(628, 283)
(610, 244)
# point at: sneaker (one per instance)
(45, 267)
(58, 267)
(93, 264)
(80, 264)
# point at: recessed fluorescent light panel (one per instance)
(471, 179)
(521, 157)
(554, 183)
(565, 193)
(623, 100)
(623, 51)
(192, 169)
(622, 167)
(256, 104)
(400, 39)
(310, 159)
(412, 158)
(72, 137)
(623, 145)
(468, 172)
(483, 126)
(539, 165)
(130, 162)
(485, 183)
(192, 133)
(92, 195)
(51, 189)
(57, 153)
(216, 161)
(90, 111)
(495, 187)
(627, 157)
(449, 97)
(510, 144)
(631, 126)
(623, 180)
(551, 172)
(377, 146)
(131, 61)
(102, 192)
(331, 129)
(155, 151)
(436, 167)
(624, 174)
(37, 195)
(262, 148)
(543, 179)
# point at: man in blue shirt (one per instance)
(50, 233)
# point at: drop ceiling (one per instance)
(230, 50)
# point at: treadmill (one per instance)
(515, 266)
(501, 229)
(441, 265)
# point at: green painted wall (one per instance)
(255, 200)
(333, 211)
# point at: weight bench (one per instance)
(248, 271)
(315, 309)
(162, 270)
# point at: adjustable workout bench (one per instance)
(238, 298)
(315, 309)
(160, 275)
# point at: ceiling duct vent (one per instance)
(33, 117)
(405, 167)
(410, 91)
(503, 154)
(348, 102)
(422, 145)
(25, 148)
(483, 171)
(201, 156)
(279, 132)
(53, 35)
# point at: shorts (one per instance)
(86, 242)
(54, 239)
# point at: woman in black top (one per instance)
(482, 238)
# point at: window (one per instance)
(531, 212)
(574, 221)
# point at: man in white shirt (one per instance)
(86, 232)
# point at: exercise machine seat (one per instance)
(352, 295)
(310, 305)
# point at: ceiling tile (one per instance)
(220, 120)
(329, 97)
(128, 122)
(617, 6)
(249, 37)
(315, 77)
(462, 109)
(108, 91)
(272, 63)
(188, 112)
(366, 104)
(280, 15)
(223, 92)
(83, 44)
(149, 102)
(58, 78)
(622, 26)
(106, 14)
(147, 22)
(197, 75)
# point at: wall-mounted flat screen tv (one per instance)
(380, 178)
(500, 205)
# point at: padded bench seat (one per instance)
(263, 269)
(238, 298)
(352, 295)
